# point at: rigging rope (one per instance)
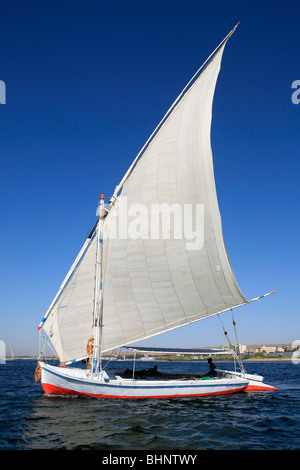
(225, 332)
(238, 345)
(235, 349)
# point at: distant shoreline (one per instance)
(268, 359)
(265, 359)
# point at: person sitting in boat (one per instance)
(153, 371)
(212, 368)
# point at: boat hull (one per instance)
(75, 382)
(256, 383)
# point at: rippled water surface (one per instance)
(29, 419)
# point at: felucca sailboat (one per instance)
(134, 278)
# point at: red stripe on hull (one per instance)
(258, 388)
(48, 388)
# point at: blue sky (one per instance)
(86, 84)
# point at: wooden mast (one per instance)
(98, 301)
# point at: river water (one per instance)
(29, 419)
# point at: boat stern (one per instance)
(255, 382)
(255, 386)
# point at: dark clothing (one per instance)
(212, 369)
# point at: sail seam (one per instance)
(170, 111)
(186, 257)
(208, 195)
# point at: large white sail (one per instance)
(153, 285)
(69, 324)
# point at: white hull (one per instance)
(72, 381)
